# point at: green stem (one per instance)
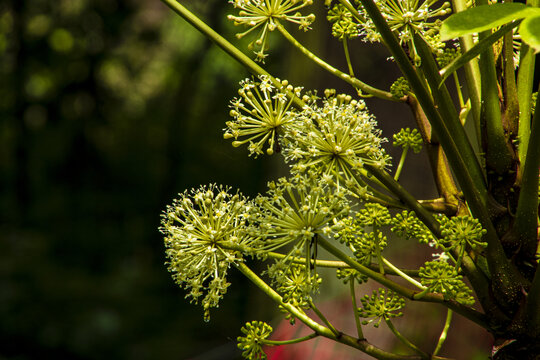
(378, 250)
(360, 344)
(406, 197)
(444, 332)
(229, 48)
(467, 312)
(292, 341)
(401, 162)
(345, 77)
(524, 90)
(526, 224)
(497, 156)
(472, 73)
(355, 309)
(347, 56)
(533, 304)
(403, 275)
(405, 341)
(323, 318)
(463, 159)
(332, 264)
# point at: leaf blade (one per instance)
(482, 18)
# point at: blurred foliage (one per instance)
(95, 98)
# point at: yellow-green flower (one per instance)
(200, 227)
(264, 15)
(260, 113)
(337, 139)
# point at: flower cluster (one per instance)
(296, 209)
(199, 229)
(296, 285)
(260, 113)
(364, 245)
(463, 230)
(380, 305)
(374, 215)
(441, 277)
(265, 15)
(408, 139)
(347, 275)
(252, 342)
(343, 24)
(447, 56)
(407, 225)
(337, 139)
(406, 18)
(400, 88)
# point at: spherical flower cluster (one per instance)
(260, 114)
(251, 344)
(201, 228)
(295, 210)
(408, 139)
(441, 277)
(337, 139)
(297, 284)
(400, 88)
(266, 14)
(343, 23)
(463, 230)
(374, 215)
(407, 225)
(382, 304)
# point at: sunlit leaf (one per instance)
(476, 50)
(482, 18)
(530, 31)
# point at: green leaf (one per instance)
(482, 18)
(530, 31)
(476, 50)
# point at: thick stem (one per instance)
(526, 224)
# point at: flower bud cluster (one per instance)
(441, 277)
(252, 342)
(400, 88)
(407, 226)
(343, 24)
(462, 231)
(409, 139)
(382, 304)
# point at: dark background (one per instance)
(108, 109)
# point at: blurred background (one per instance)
(108, 109)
